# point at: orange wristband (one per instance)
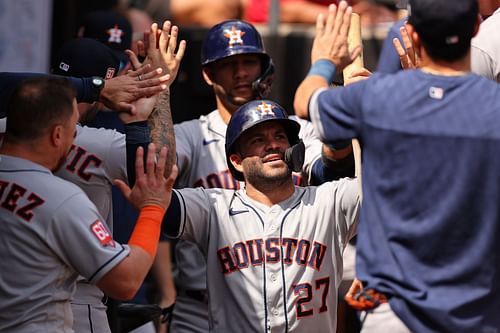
(147, 229)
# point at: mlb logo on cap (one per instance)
(85, 57)
(63, 66)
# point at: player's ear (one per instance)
(236, 161)
(56, 135)
(207, 75)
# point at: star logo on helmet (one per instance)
(266, 109)
(234, 35)
(115, 35)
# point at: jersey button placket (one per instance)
(272, 223)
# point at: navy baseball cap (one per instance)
(85, 57)
(444, 23)
(110, 28)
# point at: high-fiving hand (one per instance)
(408, 55)
(160, 48)
(330, 41)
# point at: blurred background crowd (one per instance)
(33, 31)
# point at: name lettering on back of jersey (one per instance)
(80, 162)
(271, 250)
(102, 234)
(18, 200)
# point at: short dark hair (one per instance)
(36, 105)
(445, 27)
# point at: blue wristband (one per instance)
(324, 68)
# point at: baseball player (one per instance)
(98, 156)
(430, 172)
(51, 232)
(238, 68)
(267, 270)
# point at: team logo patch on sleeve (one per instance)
(102, 234)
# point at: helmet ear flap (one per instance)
(262, 86)
(294, 156)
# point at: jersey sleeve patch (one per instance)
(101, 233)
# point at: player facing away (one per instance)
(429, 237)
(50, 232)
(273, 251)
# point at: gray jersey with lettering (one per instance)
(201, 159)
(97, 157)
(50, 232)
(273, 268)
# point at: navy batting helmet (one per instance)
(233, 37)
(252, 114)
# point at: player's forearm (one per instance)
(9, 81)
(162, 269)
(124, 280)
(162, 128)
(334, 164)
(304, 92)
(137, 134)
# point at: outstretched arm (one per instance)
(329, 54)
(161, 47)
(151, 194)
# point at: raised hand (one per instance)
(119, 92)
(160, 47)
(330, 41)
(408, 55)
(151, 187)
(143, 106)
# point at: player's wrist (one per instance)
(153, 207)
(97, 84)
(324, 68)
(146, 233)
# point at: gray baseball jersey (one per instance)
(97, 157)
(50, 233)
(201, 159)
(272, 269)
